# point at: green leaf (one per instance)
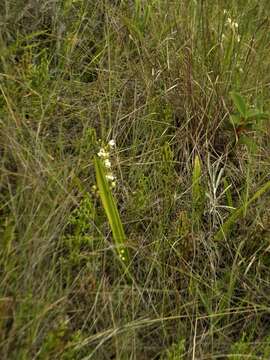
(257, 114)
(198, 192)
(239, 103)
(111, 211)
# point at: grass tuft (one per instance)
(157, 248)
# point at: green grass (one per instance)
(184, 92)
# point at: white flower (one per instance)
(238, 38)
(110, 177)
(107, 163)
(103, 154)
(232, 24)
(111, 143)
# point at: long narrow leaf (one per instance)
(197, 191)
(239, 212)
(111, 211)
(239, 102)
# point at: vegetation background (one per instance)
(182, 87)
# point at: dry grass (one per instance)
(156, 76)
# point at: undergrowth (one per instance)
(134, 178)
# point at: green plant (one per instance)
(198, 193)
(176, 351)
(81, 235)
(112, 213)
(241, 349)
(246, 119)
(156, 76)
(240, 211)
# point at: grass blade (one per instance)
(239, 212)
